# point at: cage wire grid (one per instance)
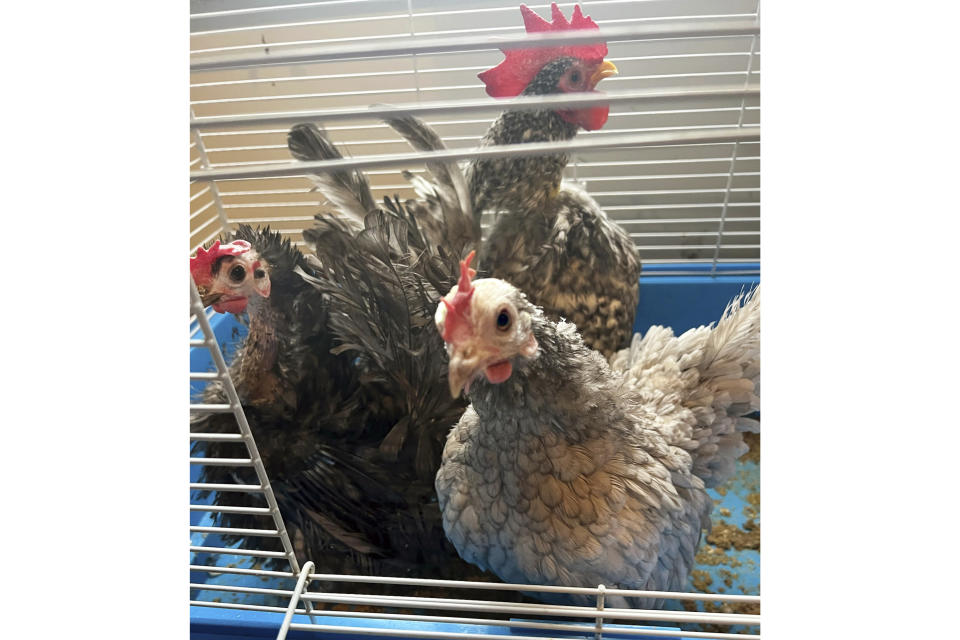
(677, 166)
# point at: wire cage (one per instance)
(677, 166)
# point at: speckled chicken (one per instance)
(563, 471)
(551, 239)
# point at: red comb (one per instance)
(520, 67)
(457, 310)
(201, 265)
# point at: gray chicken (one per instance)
(564, 471)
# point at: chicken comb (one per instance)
(201, 265)
(520, 67)
(457, 310)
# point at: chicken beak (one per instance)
(262, 285)
(605, 70)
(208, 297)
(467, 359)
(461, 372)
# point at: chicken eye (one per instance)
(575, 76)
(503, 320)
(238, 273)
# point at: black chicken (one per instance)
(301, 401)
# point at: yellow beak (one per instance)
(605, 70)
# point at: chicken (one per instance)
(563, 471)
(380, 286)
(551, 239)
(305, 405)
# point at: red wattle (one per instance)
(236, 305)
(590, 118)
(498, 372)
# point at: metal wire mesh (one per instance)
(677, 166)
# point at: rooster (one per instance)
(553, 241)
(563, 471)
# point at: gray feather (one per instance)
(446, 210)
(348, 191)
(448, 174)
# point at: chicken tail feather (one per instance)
(450, 208)
(348, 191)
(382, 287)
(709, 376)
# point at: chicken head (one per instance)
(486, 325)
(556, 69)
(227, 275)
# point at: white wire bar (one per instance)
(733, 157)
(725, 134)
(259, 18)
(216, 436)
(288, 616)
(211, 408)
(501, 586)
(518, 608)
(697, 28)
(253, 511)
(449, 635)
(522, 624)
(240, 488)
(241, 606)
(204, 375)
(262, 573)
(223, 462)
(263, 533)
(230, 551)
(478, 106)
